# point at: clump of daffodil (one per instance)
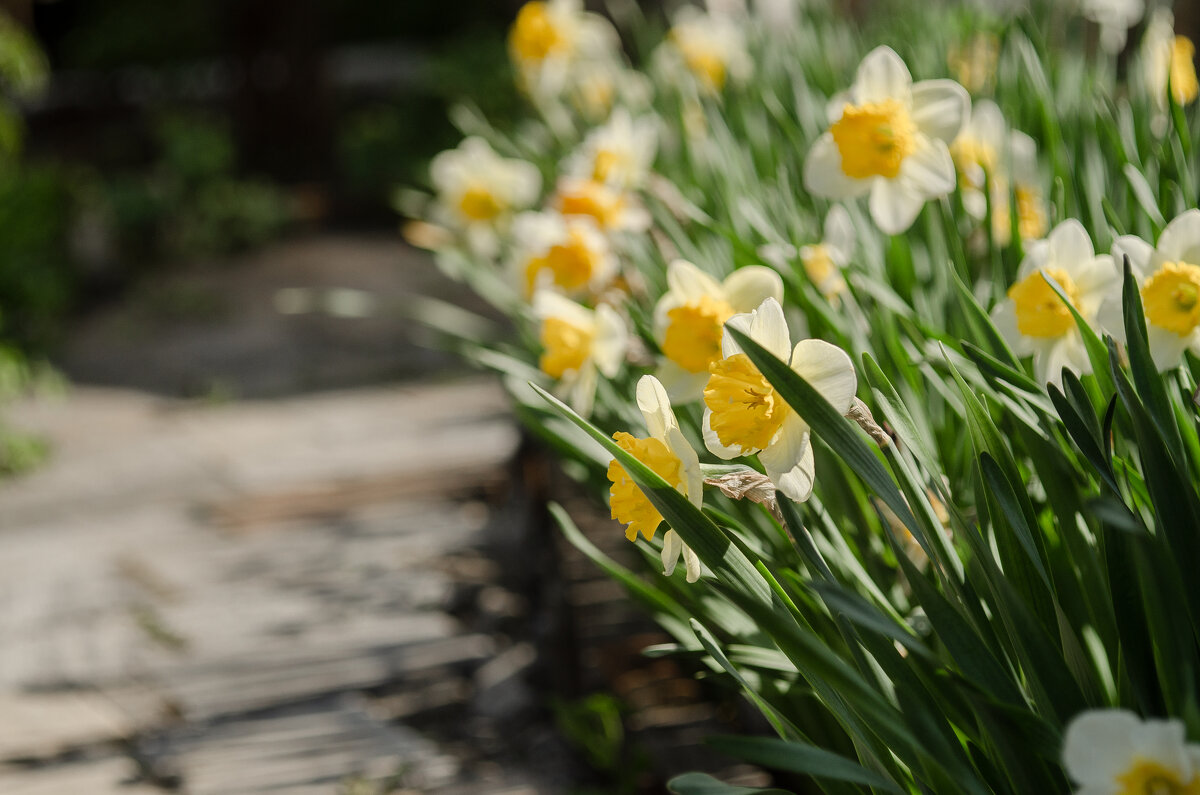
(578, 345)
(550, 39)
(612, 208)
(890, 141)
(569, 254)
(1168, 67)
(478, 192)
(1114, 752)
(690, 317)
(666, 451)
(823, 262)
(744, 414)
(1035, 321)
(618, 153)
(711, 48)
(1115, 18)
(1168, 276)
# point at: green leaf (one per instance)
(701, 784)
(799, 758)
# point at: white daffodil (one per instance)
(890, 139)
(1025, 190)
(618, 153)
(1168, 276)
(823, 262)
(1035, 321)
(550, 39)
(569, 254)
(667, 452)
(710, 47)
(578, 345)
(1115, 18)
(979, 150)
(973, 62)
(1168, 67)
(690, 317)
(478, 191)
(1114, 752)
(612, 208)
(745, 415)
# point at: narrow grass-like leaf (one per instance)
(799, 758)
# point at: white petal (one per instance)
(581, 389)
(1098, 746)
(672, 546)
(693, 478)
(1004, 318)
(691, 562)
(689, 282)
(1163, 742)
(769, 328)
(1139, 252)
(612, 339)
(713, 442)
(1180, 241)
(940, 108)
(1166, 347)
(823, 175)
(894, 206)
(828, 369)
(882, 75)
(547, 304)
(656, 407)
(929, 170)
(789, 460)
(748, 287)
(681, 386)
(1069, 244)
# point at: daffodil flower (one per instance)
(889, 139)
(569, 254)
(823, 262)
(1168, 67)
(611, 207)
(619, 153)
(578, 346)
(667, 452)
(711, 48)
(745, 415)
(478, 191)
(1114, 752)
(689, 319)
(1115, 18)
(551, 38)
(1168, 276)
(1034, 320)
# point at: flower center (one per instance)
(693, 339)
(874, 139)
(608, 164)
(746, 410)
(571, 264)
(479, 204)
(818, 263)
(594, 199)
(1172, 297)
(629, 505)
(1040, 312)
(565, 347)
(1147, 777)
(534, 36)
(1184, 85)
(705, 64)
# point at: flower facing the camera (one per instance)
(1035, 321)
(619, 153)
(613, 209)
(478, 191)
(668, 454)
(1168, 277)
(578, 345)
(689, 319)
(823, 262)
(711, 48)
(569, 254)
(744, 414)
(1114, 752)
(890, 141)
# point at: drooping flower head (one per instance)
(1168, 276)
(1035, 321)
(669, 455)
(889, 140)
(745, 415)
(689, 319)
(578, 345)
(1114, 752)
(478, 191)
(569, 254)
(823, 262)
(619, 153)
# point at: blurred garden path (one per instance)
(260, 596)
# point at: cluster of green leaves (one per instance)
(1056, 527)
